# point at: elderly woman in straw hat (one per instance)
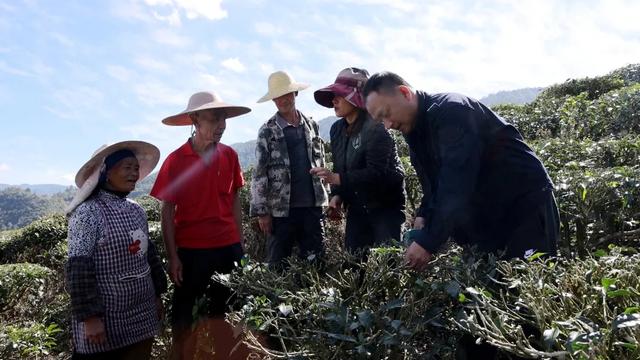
(365, 160)
(198, 185)
(114, 275)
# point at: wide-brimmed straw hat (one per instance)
(281, 83)
(348, 84)
(202, 101)
(89, 174)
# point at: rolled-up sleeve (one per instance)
(85, 228)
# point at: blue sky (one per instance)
(76, 74)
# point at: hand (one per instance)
(326, 175)
(419, 223)
(334, 212)
(94, 330)
(175, 270)
(159, 308)
(416, 257)
(335, 202)
(265, 222)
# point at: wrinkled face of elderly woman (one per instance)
(124, 175)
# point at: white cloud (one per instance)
(171, 38)
(153, 93)
(119, 72)
(78, 102)
(284, 51)
(4, 167)
(4, 67)
(402, 5)
(267, 28)
(149, 63)
(192, 9)
(210, 9)
(62, 39)
(68, 177)
(209, 80)
(233, 64)
(172, 19)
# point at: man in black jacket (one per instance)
(482, 184)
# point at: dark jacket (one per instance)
(371, 175)
(473, 166)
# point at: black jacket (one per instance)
(472, 166)
(371, 175)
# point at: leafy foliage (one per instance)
(41, 242)
(33, 341)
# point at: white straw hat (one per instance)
(281, 83)
(201, 101)
(89, 174)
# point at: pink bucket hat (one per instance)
(348, 84)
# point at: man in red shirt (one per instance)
(201, 219)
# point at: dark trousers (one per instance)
(369, 227)
(303, 226)
(198, 265)
(533, 225)
(530, 224)
(138, 351)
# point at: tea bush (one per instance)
(33, 341)
(41, 242)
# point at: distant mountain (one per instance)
(325, 126)
(246, 153)
(518, 96)
(39, 189)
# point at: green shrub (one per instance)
(593, 87)
(20, 282)
(577, 309)
(561, 153)
(597, 207)
(32, 342)
(381, 310)
(38, 243)
(150, 205)
(630, 74)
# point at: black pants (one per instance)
(138, 351)
(533, 225)
(369, 227)
(303, 226)
(198, 265)
(530, 224)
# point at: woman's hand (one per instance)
(326, 175)
(94, 330)
(334, 212)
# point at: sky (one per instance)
(77, 74)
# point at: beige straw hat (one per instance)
(89, 174)
(201, 101)
(281, 83)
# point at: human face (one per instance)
(397, 110)
(286, 103)
(210, 126)
(124, 175)
(342, 107)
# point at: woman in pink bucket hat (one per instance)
(365, 160)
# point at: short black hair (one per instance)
(385, 82)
